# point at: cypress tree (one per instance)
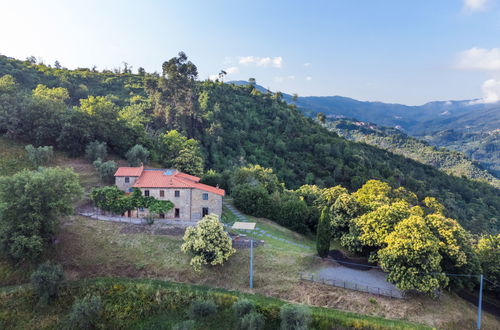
(323, 234)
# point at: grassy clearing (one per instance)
(13, 157)
(280, 234)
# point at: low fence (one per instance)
(245, 243)
(353, 286)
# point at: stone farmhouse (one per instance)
(192, 199)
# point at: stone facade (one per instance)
(190, 204)
(122, 185)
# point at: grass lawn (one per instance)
(278, 234)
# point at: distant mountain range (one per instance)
(466, 126)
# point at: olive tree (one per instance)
(137, 155)
(39, 156)
(31, 204)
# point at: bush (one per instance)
(106, 170)
(295, 317)
(96, 150)
(84, 313)
(242, 307)
(252, 199)
(207, 242)
(184, 325)
(39, 156)
(137, 155)
(46, 280)
(252, 321)
(201, 309)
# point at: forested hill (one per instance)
(235, 125)
(394, 140)
(466, 126)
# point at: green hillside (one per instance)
(396, 141)
(234, 125)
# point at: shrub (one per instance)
(39, 156)
(106, 170)
(201, 309)
(96, 150)
(243, 307)
(46, 280)
(252, 321)
(252, 199)
(84, 313)
(207, 242)
(184, 325)
(295, 317)
(137, 155)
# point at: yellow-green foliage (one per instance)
(207, 242)
(412, 257)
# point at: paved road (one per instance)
(373, 280)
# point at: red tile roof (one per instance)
(164, 178)
(129, 171)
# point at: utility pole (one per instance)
(480, 303)
(251, 264)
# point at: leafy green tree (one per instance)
(137, 155)
(293, 213)
(46, 280)
(112, 199)
(96, 150)
(106, 170)
(39, 156)
(295, 317)
(323, 234)
(84, 314)
(488, 250)
(412, 257)
(252, 321)
(252, 199)
(242, 307)
(207, 242)
(201, 309)
(157, 207)
(256, 174)
(32, 202)
(177, 151)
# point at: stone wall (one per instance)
(182, 202)
(120, 182)
(214, 204)
(190, 201)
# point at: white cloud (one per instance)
(475, 5)
(276, 62)
(309, 78)
(479, 59)
(306, 64)
(491, 91)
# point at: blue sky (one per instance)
(408, 52)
